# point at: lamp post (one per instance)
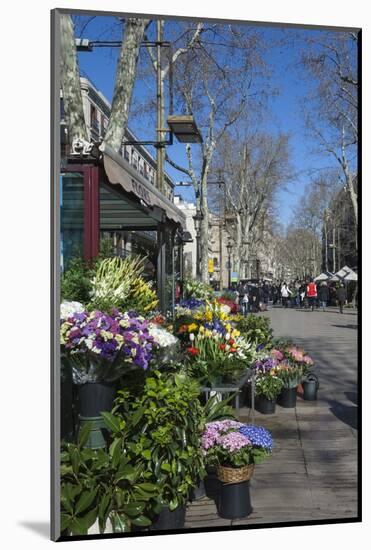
(229, 250)
(198, 217)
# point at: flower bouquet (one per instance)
(101, 347)
(216, 355)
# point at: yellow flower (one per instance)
(202, 329)
(235, 333)
(192, 327)
(208, 316)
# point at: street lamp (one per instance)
(184, 128)
(229, 250)
(198, 217)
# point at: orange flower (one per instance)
(233, 350)
(183, 328)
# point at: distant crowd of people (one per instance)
(253, 297)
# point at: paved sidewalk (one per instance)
(313, 471)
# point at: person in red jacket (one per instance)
(311, 293)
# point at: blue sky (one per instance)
(284, 110)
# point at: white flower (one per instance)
(161, 336)
(69, 308)
(191, 337)
(227, 336)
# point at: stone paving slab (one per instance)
(313, 471)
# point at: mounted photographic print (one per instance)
(205, 183)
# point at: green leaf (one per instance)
(147, 454)
(85, 501)
(103, 506)
(112, 422)
(120, 524)
(166, 467)
(137, 416)
(75, 459)
(115, 452)
(84, 434)
(90, 518)
(127, 472)
(65, 521)
(78, 526)
(141, 521)
(173, 504)
(148, 487)
(134, 509)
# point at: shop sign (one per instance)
(211, 265)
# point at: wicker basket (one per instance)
(235, 475)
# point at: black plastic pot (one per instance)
(287, 398)
(169, 520)
(95, 398)
(234, 500)
(198, 492)
(264, 405)
(310, 387)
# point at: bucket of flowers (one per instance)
(216, 355)
(309, 381)
(99, 349)
(268, 385)
(234, 449)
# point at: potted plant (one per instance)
(234, 448)
(100, 348)
(267, 388)
(108, 488)
(164, 425)
(291, 375)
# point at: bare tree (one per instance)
(125, 77)
(213, 85)
(332, 113)
(254, 171)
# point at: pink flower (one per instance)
(277, 354)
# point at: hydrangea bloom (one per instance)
(259, 436)
(233, 441)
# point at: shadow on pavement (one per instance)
(345, 326)
(352, 396)
(345, 413)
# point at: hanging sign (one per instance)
(211, 265)
(234, 277)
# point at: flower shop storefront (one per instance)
(109, 200)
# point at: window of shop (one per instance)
(72, 216)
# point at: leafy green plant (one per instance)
(268, 386)
(164, 427)
(215, 410)
(256, 329)
(75, 281)
(104, 485)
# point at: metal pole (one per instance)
(160, 149)
(229, 272)
(220, 247)
(333, 250)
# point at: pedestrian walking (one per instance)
(341, 297)
(311, 293)
(285, 293)
(323, 295)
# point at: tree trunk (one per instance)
(125, 77)
(70, 81)
(204, 236)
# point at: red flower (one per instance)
(193, 351)
(233, 350)
(231, 342)
(222, 346)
